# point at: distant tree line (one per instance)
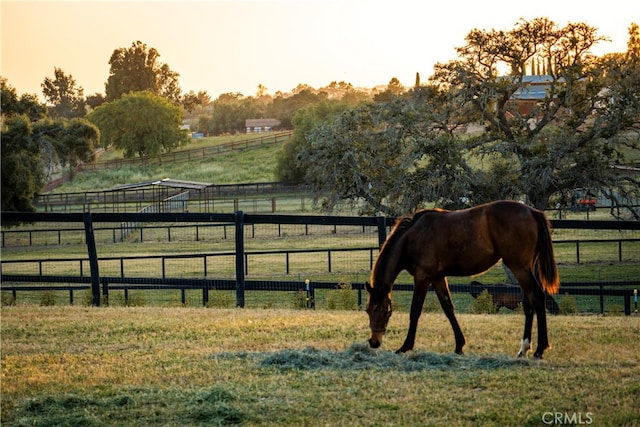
(227, 114)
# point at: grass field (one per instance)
(64, 366)
(253, 165)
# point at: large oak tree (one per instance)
(569, 138)
(400, 154)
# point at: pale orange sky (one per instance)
(233, 46)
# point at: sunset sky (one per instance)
(233, 46)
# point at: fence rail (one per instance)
(205, 199)
(126, 284)
(241, 228)
(265, 139)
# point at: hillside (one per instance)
(238, 166)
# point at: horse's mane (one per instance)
(404, 223)
(401, 226)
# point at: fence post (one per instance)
(619, 250)
(105, 291)
(239, 259)
(93, 259)
(382, 229)
(205, 294)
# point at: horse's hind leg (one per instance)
(533, 302)
(525, 346)
(444, 296)
(540, 307)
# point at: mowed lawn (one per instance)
(144, 366)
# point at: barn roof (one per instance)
(261, 122)
(166, 182)
(534, 87)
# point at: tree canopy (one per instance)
(66, 99)
(289, 168)
(137, 69)
(26, 104)
(566, 139)
(140, 123)
(405, 151)
(33, 148)
(230, 110)
(22, 165)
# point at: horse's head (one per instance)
(476, 292)
(379, 311)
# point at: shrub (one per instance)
(300, 300)
(568, 305)
(342, 298)
(220, 299)
(8, 299)
(483, 304)
(47, 299)
(86, 298)
(133, 300)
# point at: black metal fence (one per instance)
(95, 258)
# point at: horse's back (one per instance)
(469, 241)
(507, 213)
(513, 228)
(494, 220)
(451, 243)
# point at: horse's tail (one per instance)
(545, 260)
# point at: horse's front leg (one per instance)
(444, 296)
(420, 289)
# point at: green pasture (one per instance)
(133, 366)
(194, 143)
(252, 165)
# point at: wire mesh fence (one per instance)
(274, 261)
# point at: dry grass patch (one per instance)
(196, 366)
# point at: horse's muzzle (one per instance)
(376, 338)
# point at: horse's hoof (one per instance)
(524, 348)
(402, 350)
(537, 356)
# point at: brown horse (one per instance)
(434, 244)
(510, 297)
